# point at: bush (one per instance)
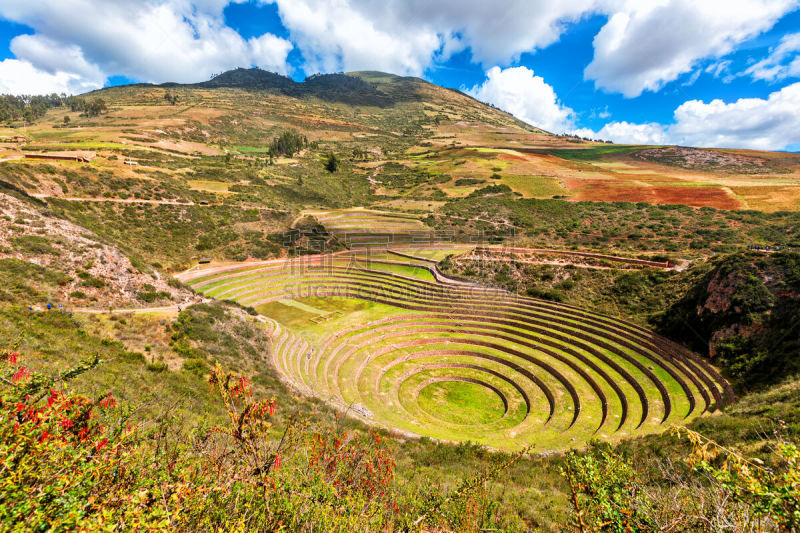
(546, 294)
(157, 366)
(148, 297)
(33, 244)
(490, 190)
(63, 450)
(463, 182)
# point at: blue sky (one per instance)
(715, 73)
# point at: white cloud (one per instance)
(647, 44)
(767, 124)
(404, 36)
(525, 96)
(782, 62)
(334, 36)
(53, 57)
(20, 77)
(269, 52)
(642, 46)
(628, 133)
(153, 40)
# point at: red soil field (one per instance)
(612, 191)
(509, 157)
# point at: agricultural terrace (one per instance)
(359, 220)
(396, 343)
(368, 228)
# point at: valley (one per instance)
(382, 256)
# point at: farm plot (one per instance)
(359, 220)
(455, 361)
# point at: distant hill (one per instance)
(350, 89)
(369, 88)
(245, 78)
(364, 88)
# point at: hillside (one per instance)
(742, 313)
(390, 270)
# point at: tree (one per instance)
(287, 143)
(95, 107)
(332, 162)
(66, 120)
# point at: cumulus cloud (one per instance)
(782, 62)
(526, 96)
(20, 77)
(628, 133)
(154, 40)
(642, 46)
(404, 36)
(53, 57)
(771, 123)
(647, 44)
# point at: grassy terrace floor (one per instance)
(456, 362)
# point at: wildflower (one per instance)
(109, 402)
(20, 374)
(11, 357)
(244, 385)
(52, 398)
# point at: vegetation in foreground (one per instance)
(70, 461)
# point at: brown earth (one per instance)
(614, 191)
(74, 249)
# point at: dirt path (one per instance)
(138, 310)
(197, 271)
(115, 200)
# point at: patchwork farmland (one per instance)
(389, 339)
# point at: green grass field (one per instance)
(535, 186)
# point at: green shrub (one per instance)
(33, 244)
(546, 294)
(157, 366)
(146, 296)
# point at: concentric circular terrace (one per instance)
(414, 351)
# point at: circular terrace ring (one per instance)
(448, 393)
(512, 357)
(458, 401)
(415, 383)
